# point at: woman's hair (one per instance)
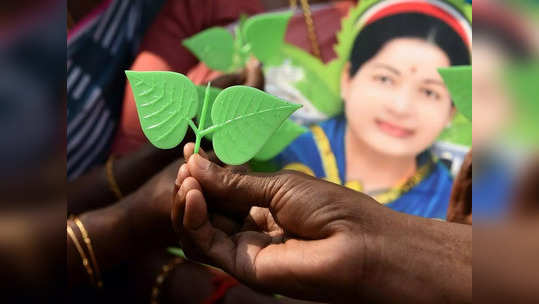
(375, 35)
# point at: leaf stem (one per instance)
(193, 126)
(202, 118)
(210, 130)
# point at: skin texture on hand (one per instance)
(311, 239)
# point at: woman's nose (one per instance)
(401, 104)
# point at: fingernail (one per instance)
(201, 162)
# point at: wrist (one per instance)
(416, 259)
(148, 225)
(109, 234)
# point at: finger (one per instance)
(189, 149)
(254, 77)
(302, 205)
(183, 173)
(227, 80)
(242, 191)
(178, 205)
(241, 169)
(208, 240)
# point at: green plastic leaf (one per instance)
(244, 119)
(214, 47)
(213, 94)
(265, 34)
(165, 102)
(458, 80)
(286, 133)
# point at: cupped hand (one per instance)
(300, 236)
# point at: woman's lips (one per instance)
(393, 130)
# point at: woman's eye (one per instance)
(430, 94)
(383, 79)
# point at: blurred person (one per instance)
(32, 100)
(100, 46)
(396, 105)
(500, 39)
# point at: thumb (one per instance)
(239, 192)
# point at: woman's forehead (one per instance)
(411, 55)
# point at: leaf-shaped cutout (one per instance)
(265, 34)
(165, 101)
(244, 119)
(459, 132)
(214, 47)
(213, 94)
(458, 80)
(286, 133)
(316, 84)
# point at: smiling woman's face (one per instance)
(397, 102)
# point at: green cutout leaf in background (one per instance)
(314, 85)
(265, 34)
(261, 35)
(244, 119)
(286, 133)
(165, 102)
(458, 80)
(214, 47)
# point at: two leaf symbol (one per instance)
(243, 118)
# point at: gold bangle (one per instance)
(90, 248)
(82, 255)
(113, 184)
(161, 277)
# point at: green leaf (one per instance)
(460, 131)
(458, 80)
(265, 34)
(244, 119)
(213, 94)
(286, 133)
(521, 84)
(165, 102)
(317, 84)
(214, 47)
